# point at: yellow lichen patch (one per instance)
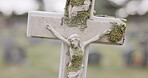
(76, 62)
(80, 19)
(77, 2)
(124, 20)
(117, 32)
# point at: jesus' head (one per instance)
(74, 40)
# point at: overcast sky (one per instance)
(55, 5)
(23, 6)
(134, 7)
(18, 6)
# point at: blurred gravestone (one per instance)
(128, 50)
(14, 55)
(94, 57)
(143, 44)
(0, 37)
(128, 57)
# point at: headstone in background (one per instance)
(128, 50)
(1, 34)
(94, 58)
(128, 57)
(144, 46)
(14, 55)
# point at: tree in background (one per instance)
(41, 5)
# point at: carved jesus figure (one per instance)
(76, 50)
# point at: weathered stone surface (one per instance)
(38, 21)
(77, 21)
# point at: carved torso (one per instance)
(76, 60)
(75, 66)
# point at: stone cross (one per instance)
(76, 28)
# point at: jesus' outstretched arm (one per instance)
(97, 37)
(58, 35)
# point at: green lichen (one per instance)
(77, 2)
(66, 8)
(80, 19)
(76, 61)
(117, 32)
(124, 20)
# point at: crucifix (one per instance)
(77, 28)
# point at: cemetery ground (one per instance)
(43, 58)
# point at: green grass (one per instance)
(112, 66)
(43, 62)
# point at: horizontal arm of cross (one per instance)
(37, 22)
(97, 37)
(58, 35)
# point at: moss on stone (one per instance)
(80, 19)
(77, 2)
(117, 32)
(124, 20)
(66, 8)
(76, 62)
